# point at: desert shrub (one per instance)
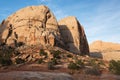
(73, 66)
(56, 54)
(54, 61)
(69, 55)
(95, 68)
(101, 62)
(92, 62)
(5, 56)
(114, 67)
(4, 61)
(20, 44)
(80, 63)
(50, 65)
(43, 53)
(16, 52)
(40, 61)
(19, 60)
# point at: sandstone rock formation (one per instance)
(107, 50)
(73, 35)
(36, 25)
(104, 46)
(31, 25)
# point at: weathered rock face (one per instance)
(73, 35)
(31, 25)
(37, 25)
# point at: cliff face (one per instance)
(36, 25)
(73, 35)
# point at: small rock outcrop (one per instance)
(31, 25)
(73, 35)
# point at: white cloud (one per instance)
(104, 24)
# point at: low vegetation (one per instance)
(4, 61)
(69, 55)
(56, 54)
(5, 56)
(94, 67)
(40, 61)
(43, 53)
(19, 61)
(114, 67)
(51, 65)
(78, 64)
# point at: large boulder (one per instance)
(31, 25)
(73, 35)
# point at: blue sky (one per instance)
(100, 18)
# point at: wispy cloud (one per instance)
(104, 24)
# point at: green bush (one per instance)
(5, 56)
(56, 54)
(101, 62)
(16, 53)
(94, 67)
(5, 61)
(114, 67)
(73, 66)
(50, 65)
(92, 62)
(54, 61)
(69, 55)
(19, 60)
(20, 44)
(80, 63)
(43, 53)
(40, 61)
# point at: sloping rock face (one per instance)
(106, 50)
(73, 35)
(31, 25)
